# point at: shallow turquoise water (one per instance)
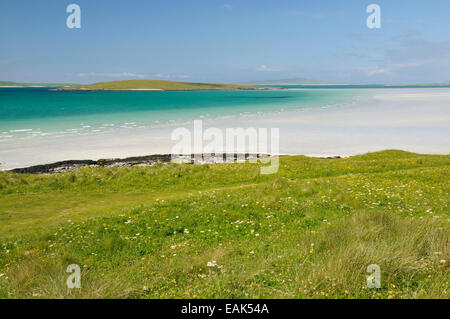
(31, 112)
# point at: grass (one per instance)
(225, 231)
(160, 85)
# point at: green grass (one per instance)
(160, 85)
(308, 231)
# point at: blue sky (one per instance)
(225, 41)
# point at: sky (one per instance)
(225, 41)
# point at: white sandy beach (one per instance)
(416, 120)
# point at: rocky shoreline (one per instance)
(149, 160)
(70, 165)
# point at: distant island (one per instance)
(294, 81)
(420, 84)
(156, 85)
(16, 84)
(163, 85)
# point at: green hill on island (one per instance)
(159, 85)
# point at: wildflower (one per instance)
(212, 263)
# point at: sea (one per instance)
(29, 112)
(40, 125)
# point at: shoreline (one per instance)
(154, 159)
(147, 160)
(413, 120)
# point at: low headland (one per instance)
(438, 84)
(157, 85)
(11, 84)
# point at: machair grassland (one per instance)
(226, 231)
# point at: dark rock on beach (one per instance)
(70, 165)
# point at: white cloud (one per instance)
(265, 68)
(371, 71)
(172, 76)
(112, 75)
(412, 56)
(321, 14)
(226, 6)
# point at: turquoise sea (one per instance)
(39, 112)
(41, 126)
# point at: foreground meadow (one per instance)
(225, 231)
